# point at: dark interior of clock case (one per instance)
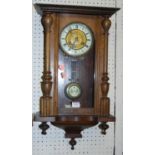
(79, 70)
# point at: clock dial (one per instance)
(73, 90)
(76, 39)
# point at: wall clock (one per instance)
(75, 73)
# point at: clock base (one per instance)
(73, 125)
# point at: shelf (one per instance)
(69, 118)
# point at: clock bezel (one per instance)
(70, 97)
(92, 36)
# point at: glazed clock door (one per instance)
(76, 65)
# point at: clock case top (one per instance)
(72, 9)
(74, 120)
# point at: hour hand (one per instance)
(75, 41)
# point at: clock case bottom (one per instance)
(73, 125)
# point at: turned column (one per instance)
(46, 84)
(105, 101)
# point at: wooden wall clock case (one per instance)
(75, 71)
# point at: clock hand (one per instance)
(75, 40)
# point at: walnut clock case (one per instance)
(75, 70)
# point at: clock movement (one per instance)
(75, 70)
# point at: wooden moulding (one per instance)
(72, 9)
(73, 125)
(74, 118)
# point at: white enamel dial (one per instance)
(76, 39)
